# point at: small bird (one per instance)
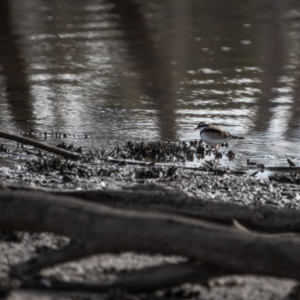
(215, 135)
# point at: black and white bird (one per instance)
(215, 135)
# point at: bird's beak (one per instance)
(196, 128)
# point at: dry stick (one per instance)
(163, 164)
(291, 169)
(39, 145)
(165, 201)
(101, 229)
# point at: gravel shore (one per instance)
(214, 183)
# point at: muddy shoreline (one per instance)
(161, 164)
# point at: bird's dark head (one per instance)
(201, 125)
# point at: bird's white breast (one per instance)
(213, 139)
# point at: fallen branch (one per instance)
(100, 229)
(27, 141)
(155, 198)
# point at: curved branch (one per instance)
(139, 281)
(155, 198)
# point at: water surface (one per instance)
(119, 70)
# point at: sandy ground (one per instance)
(105, 268)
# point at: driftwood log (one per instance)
(154, 198)
(158, 199)
(95, 228)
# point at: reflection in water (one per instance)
(14, 86)
(152, 72)
(124, 69)
(272, 62)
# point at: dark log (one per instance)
(155, 198)
(100, 229)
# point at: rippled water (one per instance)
(124, 69)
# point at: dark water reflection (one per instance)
(125, 69)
